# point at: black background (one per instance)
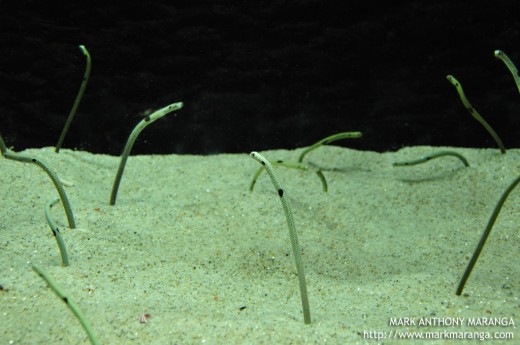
(257, 75)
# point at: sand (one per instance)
(211, 262)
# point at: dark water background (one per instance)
(257, 75)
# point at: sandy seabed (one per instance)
(211, 262)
